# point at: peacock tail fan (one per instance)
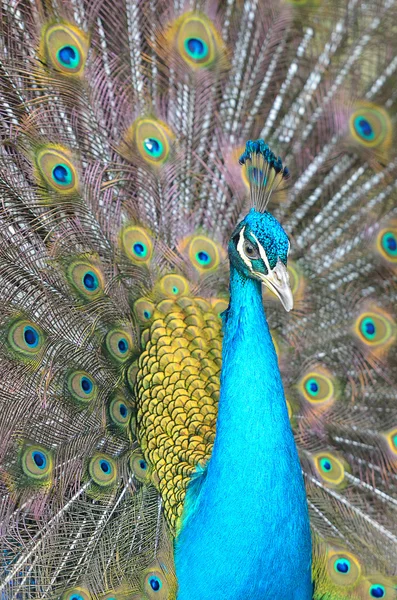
(122, 125)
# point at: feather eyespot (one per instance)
(377, 591)
(76, 593)
(82, 387)
(37, 462)
(103, 470)
(203, 253)
(330, 469)
(173, 286)
(137, 244)
(119, 344)
(144, 310)
(152, 139)
(197, 40)
(386, 244)
(371, 126)
(26, 337)
(86, 278)
(140, 467)
(65, 47)
(375, 329)
(155, 585)
(318, 387)
(343, 567)
(119, 411)
(55, 167)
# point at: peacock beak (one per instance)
(277, 281)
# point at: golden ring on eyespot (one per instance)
(25, 337)
(174, 286)
(37, 462)
(120, 411)
(197, 40)
(86, 278)
(119, 344)
(330, 468)
(316, 387)
(66, 48)
(137, 244)
(144, 310)
(373, 329)
(57, 170)
(82, 386)
(203, 253)
(386, 244)
(343, 567)
(155, 584)
(370, 125)
(153, 139)
(391, 438)
(140, 467)
(103, 469)
(76, 593)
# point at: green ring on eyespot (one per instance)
(312, 387)
(389, 243)
(368, 328)
(326, 465)
(364, 128)
(68, 56)
(202, 257)
(342, 566)
(62, 174)
(377, 591)
(153, 146)
(140, 249)
(90, 281)
(196, 48)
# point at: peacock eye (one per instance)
(250, 250)
(377, 591)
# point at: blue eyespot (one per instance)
(86, 385)
(123, 410)
(364, 128)
(122, 345)
(312, 387)
(155, 583)
(377, 591)
(39, 459)
(76, 597)
(389, 244)
(394, 439)
(196, 48)
(153, 147)
(140, 249)
(143, 465)
(175, 290)
(31, 336)
(326, 464)
(68, 56)
(203, 258)
(146, 314)
(342, 565)
(105, 466)
(62, 174)
(90, 281)
(368, 328)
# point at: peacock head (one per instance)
(259, 246)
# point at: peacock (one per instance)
(198, 275)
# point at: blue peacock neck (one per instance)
(246, 529)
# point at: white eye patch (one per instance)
(245, 258)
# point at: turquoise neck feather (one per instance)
(245, 531)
